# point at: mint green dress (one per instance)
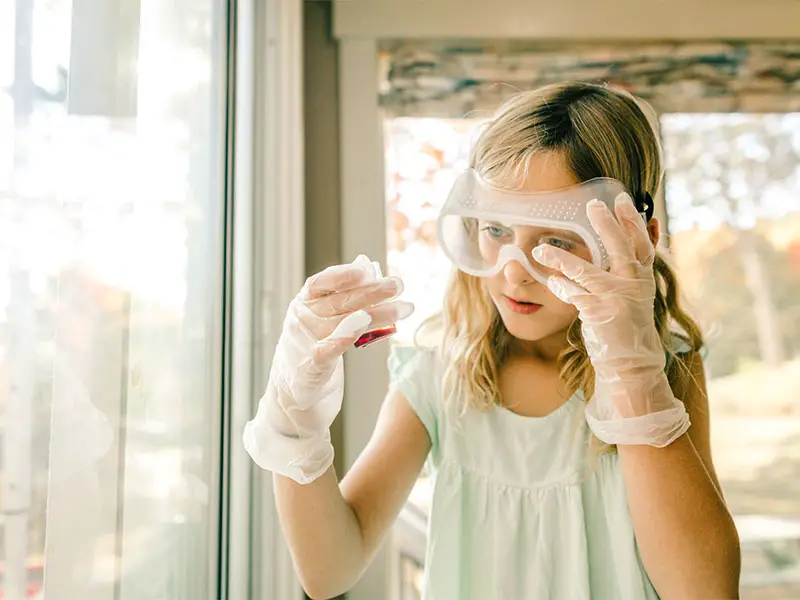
(520, 510)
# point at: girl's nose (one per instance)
(516, 274)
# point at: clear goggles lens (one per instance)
(481, 228)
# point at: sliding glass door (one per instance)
(112, 246)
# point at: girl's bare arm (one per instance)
(334, 529)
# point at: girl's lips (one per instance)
(522, 308)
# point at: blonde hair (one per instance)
(599, 132)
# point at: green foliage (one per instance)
(738, 176)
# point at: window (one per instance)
(423, 158)
(733, 185)
(111, 248)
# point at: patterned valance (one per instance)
(454, 79)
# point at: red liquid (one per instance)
(375, 335)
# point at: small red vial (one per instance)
(375, 335)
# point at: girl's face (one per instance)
(529, 310)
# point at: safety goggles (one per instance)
(481, 228)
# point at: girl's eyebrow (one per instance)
(563, 233)
(571, 235)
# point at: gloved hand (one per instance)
(632, 403)
(290, 432)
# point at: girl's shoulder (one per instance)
(411, 361)
(415, 372)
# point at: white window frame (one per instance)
(267, 266)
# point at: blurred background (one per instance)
(170, 172)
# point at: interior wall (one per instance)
(321, 113)
(586, 20)
(322, 166)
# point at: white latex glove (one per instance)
(290, 433)
(632, 403)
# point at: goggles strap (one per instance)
(644, 204)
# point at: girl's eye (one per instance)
(495, 231)
(559, 243)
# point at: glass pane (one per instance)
(733, 199)
(423, 157)
(111, 208)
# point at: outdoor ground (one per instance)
(756, 443)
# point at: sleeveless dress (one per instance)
(521, 509)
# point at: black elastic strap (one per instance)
(644, 204)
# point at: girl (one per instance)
(562, 408)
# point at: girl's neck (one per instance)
(546, 349)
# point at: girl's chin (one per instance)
(535, 334)
(537, 326)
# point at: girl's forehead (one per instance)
(547, 172)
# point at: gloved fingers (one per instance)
(350, 329)
(389, 313)
(594, 309)
(336, 278)
(634, 225)
(573, 267)
(346, 333)
(564, 289)
(616, 240)
(347, 302)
